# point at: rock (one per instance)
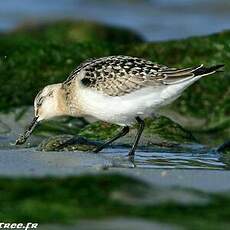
(162, 129)
(159, 131)
(99, 130)
(67, 143)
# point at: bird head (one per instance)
(46, 106)
(46, 103)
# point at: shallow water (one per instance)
(159, 158)
(153, 19)
(162, 159)
(194, 157)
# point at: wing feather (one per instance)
(120, 75)
(178, 75)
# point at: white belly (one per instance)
(123, 110)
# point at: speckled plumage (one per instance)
(120, 75)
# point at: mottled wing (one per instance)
(119, 75)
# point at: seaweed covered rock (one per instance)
(67, 143)
(163, 130)
(158, 132)
(99, 130)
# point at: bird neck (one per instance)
(62, 105)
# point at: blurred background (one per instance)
(153, 19)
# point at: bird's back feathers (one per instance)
(120, 75)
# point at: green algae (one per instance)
(60, 125)
(67, 143)
(163, 127)
(99, 131)
(66, 200)
(159, 131)
(168, 130)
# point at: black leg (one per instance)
(137, 138)
(122, 133)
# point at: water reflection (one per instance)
(165, 159)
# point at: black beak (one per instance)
(22, 139)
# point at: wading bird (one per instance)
(117, 89)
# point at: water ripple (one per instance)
(165, 159)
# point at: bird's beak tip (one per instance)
(22, 138)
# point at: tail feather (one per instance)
(175, 76)
(207, 70)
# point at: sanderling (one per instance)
(117, 89)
